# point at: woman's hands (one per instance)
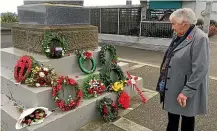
(182, 100)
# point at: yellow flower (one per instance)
(118, 86)
(36, 69)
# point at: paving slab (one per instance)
(149, 75)
(149, 115)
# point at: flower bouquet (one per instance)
(41, 76)
(32, 116)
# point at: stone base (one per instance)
(30, 37)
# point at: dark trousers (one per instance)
(187, 124)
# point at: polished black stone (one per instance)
(53, 14)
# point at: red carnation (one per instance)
(72, 82)
(124, 100)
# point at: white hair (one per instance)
(184, 15)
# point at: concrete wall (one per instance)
(198, 6)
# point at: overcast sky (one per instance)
(11, 5)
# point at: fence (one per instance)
(126, 20)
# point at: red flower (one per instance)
(88, 54)
(124, 100)
(54, 92)
(72, 82)
(59, 87)
(79, 94)
(102, 87)
(189, 37)
(105, 110)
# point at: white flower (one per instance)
(37, 84)
(45, 69)
(63, 53)
(47, 50)
(53, 71)
(41, 74)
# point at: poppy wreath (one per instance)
(105, 73)
(70, 104)
(23, 68)
(108, 109)
(123, 100)
(113, 53)
(41, 77)
(83, 56)
(93, 86)
(54, 45)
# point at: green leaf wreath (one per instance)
(108, 109)
(49, 37)
(93, 86)
(105, 73)
(103, 50)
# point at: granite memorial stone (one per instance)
(70, 2)
(53, 14)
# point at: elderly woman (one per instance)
(184, 72)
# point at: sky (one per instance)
(11, 5)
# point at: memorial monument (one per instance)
(58, 35)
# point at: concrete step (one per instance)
(9, 56)
(99, 125)
(58, 120)
(33, 97)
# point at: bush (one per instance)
(9, 17)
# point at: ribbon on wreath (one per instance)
(132, 80)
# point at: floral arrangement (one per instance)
(54, 45)
(83, 56)
(41, 77)
(108, 109)
(93, 87)
(70, 104)
(31, 116)
(123, 100)
(23, 67)
(132, 80)
(113, 53)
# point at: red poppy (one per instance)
(124, 100)
(189, 37)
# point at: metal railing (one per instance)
(126, 20)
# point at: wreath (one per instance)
(123, 100)
(86, 56)
(108, 109)
(54, 45)
(70, 104)
(23, 67)
(41, 77)
(113, 53)
(105, 73)
(93, 87)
